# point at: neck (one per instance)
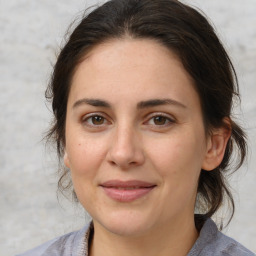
(175, 239)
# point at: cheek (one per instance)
(85, 155)
(174, 151)
(178, 158)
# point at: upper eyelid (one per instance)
(155, 114)
(85, 116)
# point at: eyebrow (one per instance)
(92, 102)
(158, 102)
(140, 105)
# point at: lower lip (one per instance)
(126, 195)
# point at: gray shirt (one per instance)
(211, 242)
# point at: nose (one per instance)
(126, 149)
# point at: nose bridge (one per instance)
(126, 149)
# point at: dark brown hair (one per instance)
(186, 32)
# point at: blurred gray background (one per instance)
(31, 32)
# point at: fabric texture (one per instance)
(211, 242)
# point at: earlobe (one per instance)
(216, 147)
(66, 160)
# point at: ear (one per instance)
(66, 159)
(216, 146)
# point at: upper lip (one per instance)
(127, 184)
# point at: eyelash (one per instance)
(91, 116)
(167, 120)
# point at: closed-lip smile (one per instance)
(126, 191)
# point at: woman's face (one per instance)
(135, 139)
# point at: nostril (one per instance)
(112, 163)
(123, 165)
(125, 155)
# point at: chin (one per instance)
(127, 229)
(128, 225)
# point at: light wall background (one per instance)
(30, 33)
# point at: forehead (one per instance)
(133, 68)
(130, 54)
(129, 51)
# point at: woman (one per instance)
(142, 96)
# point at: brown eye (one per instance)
(97, 120)
(160, 120)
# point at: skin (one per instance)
(126, 142)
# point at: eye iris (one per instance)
(159, 120)
(97, 120)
